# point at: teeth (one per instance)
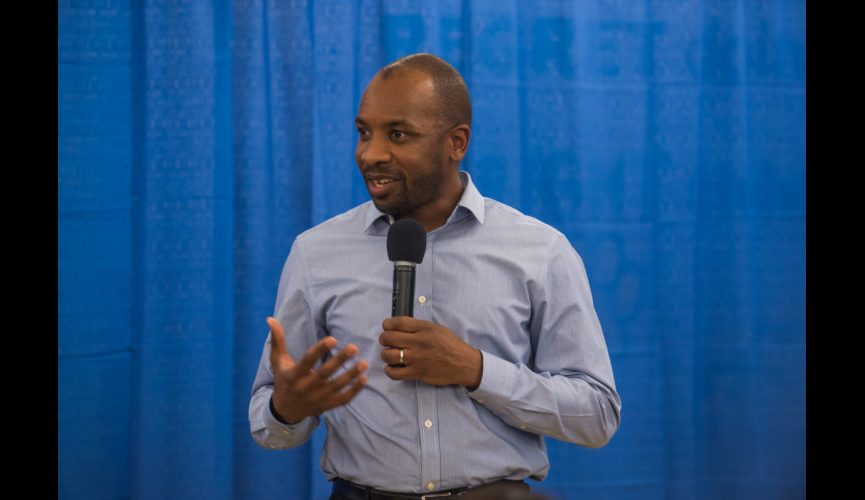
(382, 182)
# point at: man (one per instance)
(505, 346)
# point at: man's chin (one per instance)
(394, 209)
(383, 207)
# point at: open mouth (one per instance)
(380, 187)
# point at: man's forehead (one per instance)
(401, 97)
(411, 79)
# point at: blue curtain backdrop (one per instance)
(666, 139)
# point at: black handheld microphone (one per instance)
(406, 244)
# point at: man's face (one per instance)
(401, 145)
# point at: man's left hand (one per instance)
(431, 353)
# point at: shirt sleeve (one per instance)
(301, 331)
(568, 393)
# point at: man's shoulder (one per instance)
(502, 216)
(349, 222)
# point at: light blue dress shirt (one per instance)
(504, 282)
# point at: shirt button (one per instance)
(427, 423)
(430, 485)
(421, 299)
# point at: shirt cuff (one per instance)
(497, 381)
(287, 431)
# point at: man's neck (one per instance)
(434, 214)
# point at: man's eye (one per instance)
(362, 132)
(398, 134)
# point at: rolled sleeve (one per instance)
(301, 331)
(269, 432)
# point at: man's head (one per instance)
(453, 105)
(414, 124)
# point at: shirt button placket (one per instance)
(430, 451)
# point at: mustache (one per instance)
(378, 172)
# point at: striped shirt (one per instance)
(505, 283)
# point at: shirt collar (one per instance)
(471, 201)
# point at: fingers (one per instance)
(332, 365)
(346, 396)
(396, 339)
(354, 379)
(350, 375)
(325, 388)
(403, 324)
(314, 353)
(278, 352)
(398, 372)
(391, 356)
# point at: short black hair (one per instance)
(452, 94)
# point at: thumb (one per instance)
(278, 352)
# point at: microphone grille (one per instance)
(406, 240)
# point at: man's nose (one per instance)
(375, 151)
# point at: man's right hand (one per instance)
(299, 391)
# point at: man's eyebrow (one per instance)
(392, 123)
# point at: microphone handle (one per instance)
(403, 289)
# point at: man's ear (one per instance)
(459, 142)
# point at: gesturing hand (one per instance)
(299, 390)
(431, 353)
